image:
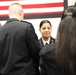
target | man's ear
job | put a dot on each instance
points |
(20, 13)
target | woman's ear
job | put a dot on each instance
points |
(39, 29)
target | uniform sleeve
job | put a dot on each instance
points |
(33, 43)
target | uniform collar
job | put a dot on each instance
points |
(44, 42)
(11, 20)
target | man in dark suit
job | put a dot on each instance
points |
(19, 46)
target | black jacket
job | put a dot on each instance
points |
(48, 62)
(19, 48)
(52, 40)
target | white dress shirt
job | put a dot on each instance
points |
(44, 42)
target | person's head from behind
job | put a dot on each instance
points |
(66, 42)
(67, 11)
(16, 11)
(45, 29)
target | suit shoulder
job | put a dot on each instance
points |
(40, 39)
(52, 38)
(27, 22)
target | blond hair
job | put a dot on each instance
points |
(16, 11)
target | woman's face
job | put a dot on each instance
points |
(46, 30)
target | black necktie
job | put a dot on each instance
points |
(46, 44)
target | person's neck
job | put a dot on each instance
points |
(46, 39)
(15, 16)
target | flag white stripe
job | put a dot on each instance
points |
(26, 2)
(37, 10)
(55, 9)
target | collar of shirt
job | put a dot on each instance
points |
(44, 42)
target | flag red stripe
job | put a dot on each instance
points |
(28, 14)
(46, 5)
(8, 0)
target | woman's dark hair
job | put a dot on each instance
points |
(44, 21)
(69, 11)
(66, 43)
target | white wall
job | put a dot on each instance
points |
(71, 2)
(54, 22)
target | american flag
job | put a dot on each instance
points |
(35, 8)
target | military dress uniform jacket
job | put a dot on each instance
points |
(52, 41)
(19, 48)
